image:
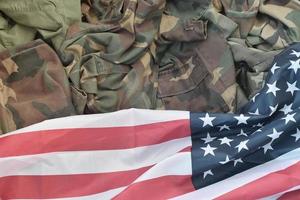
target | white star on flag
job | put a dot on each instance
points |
(253, 98)
(297, 135)
(225, 161)
(273, 109)
(287, 109)
(295, 53)
(292, 87)
(267, 147)
(242, 133)
(242, 145)
(258, 125)
(207, 120)
(242, 119)
(272, 88)
(274, 67)
(254, 113)
(208, 138)
(289, 117)
(208, 150)
(275, 134)
(224, 127)
(295, 65)
(208, 172)
(226, 140)
(237, 161)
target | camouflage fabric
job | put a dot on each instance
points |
(264, 24)
(252, 66)
(196, 55)
(99, 10)
(110, 64)
(33, 86)
(190, 76)
(22, 21)
(256, 31)
(119, 62)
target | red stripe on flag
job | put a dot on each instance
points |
(159, 188)
(59, 186)
(293, 195)
(187, 149)
(81, 139)
(268, 185)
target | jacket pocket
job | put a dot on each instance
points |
(186, 86)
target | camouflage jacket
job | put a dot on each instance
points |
(33, 86)
(23, 21)
(184, 55)
(257, 30)
(196, 55)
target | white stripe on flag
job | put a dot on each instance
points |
(238, 180)
(182, 161)
(130, 117)
(81, 162)
(178, 164)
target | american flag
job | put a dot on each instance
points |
(146, 154)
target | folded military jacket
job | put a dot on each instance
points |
(33, 86)
(184, 55)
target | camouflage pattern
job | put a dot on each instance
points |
(196, 55)
(110, 64)
(256, 31)
(252, 66)
(190, 76)
(123, 59)
(94, 11)
(33, 86)
(22, 21)
(263, 24)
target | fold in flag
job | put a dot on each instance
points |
(144, 154)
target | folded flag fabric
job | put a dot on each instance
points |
(146, 154)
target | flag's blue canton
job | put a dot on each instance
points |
(267, 127)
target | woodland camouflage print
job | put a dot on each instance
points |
(190, 76)
(187, 55)
(196, 55)
(257, 31)
(33, 87)
(111, 64)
